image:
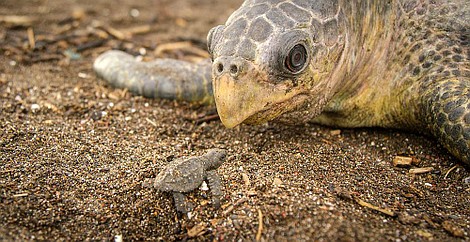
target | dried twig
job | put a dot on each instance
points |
(207, 118)
(450, 170)
(231, 207)
(260, 225)
(31, 39)
(368, 205)
(46, 57)
(142, 29)
(17, 20)
(21, 195)
(91, 45)
(421, 170)
(112, 31)
(183, 45)
(151, 122)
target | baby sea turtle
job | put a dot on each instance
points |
(184, 175)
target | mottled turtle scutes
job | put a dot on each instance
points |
(347, 63)
(184, 175)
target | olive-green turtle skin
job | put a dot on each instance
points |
(346, 63)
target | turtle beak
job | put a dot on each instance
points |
(236, 100)
(248, 97)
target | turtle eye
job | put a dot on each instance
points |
(296, 60)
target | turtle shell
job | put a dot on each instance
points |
(181, 175)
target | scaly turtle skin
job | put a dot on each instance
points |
(347, 63)
(185, 175)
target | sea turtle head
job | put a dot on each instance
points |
(274, 57)
(214, 158)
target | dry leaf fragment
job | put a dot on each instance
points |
(453, 229)
(424, 233)
(197, 230)
(402, 161)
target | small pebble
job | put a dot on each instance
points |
(277, 182)
(246, 180)
(204, 186)
(83, 75)
(118, 238)
(72, 55)
(35, 107)
(97, 115)
(134, 13)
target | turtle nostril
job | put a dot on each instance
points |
(233, 69)
(220, 67)
(229, 65)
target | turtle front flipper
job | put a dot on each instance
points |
(215, 185)
(161, 78)
(446, 106)
(181, 204)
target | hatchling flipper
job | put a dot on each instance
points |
(215, 185)
(181, 204)
(447, 113)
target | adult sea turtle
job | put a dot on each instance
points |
(347, 63)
